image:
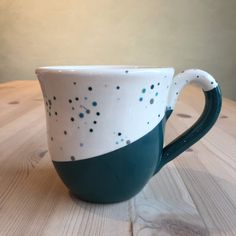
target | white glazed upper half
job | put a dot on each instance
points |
(93, 110)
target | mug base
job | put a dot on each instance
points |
(96, 201)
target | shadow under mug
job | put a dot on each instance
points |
(106, 124)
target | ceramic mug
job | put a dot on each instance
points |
(105, 124)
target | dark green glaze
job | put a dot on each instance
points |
(115, 176)
(120, 174)
(213, 101)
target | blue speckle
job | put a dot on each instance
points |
(81, 115)
(94, 104)
(141, 99)
(156, 93)
(143, 90)
(85, 98)
(117, 143)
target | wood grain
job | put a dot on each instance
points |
(193, 195)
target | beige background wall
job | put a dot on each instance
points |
(178, 33)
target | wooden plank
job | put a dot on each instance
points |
(17, 98)
(165, 207)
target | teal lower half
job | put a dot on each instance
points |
(117, 175)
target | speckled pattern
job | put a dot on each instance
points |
(95, 111)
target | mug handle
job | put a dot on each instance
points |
(213, 101)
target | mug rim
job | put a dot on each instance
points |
(99, 69)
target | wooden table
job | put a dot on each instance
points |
(193, 195)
